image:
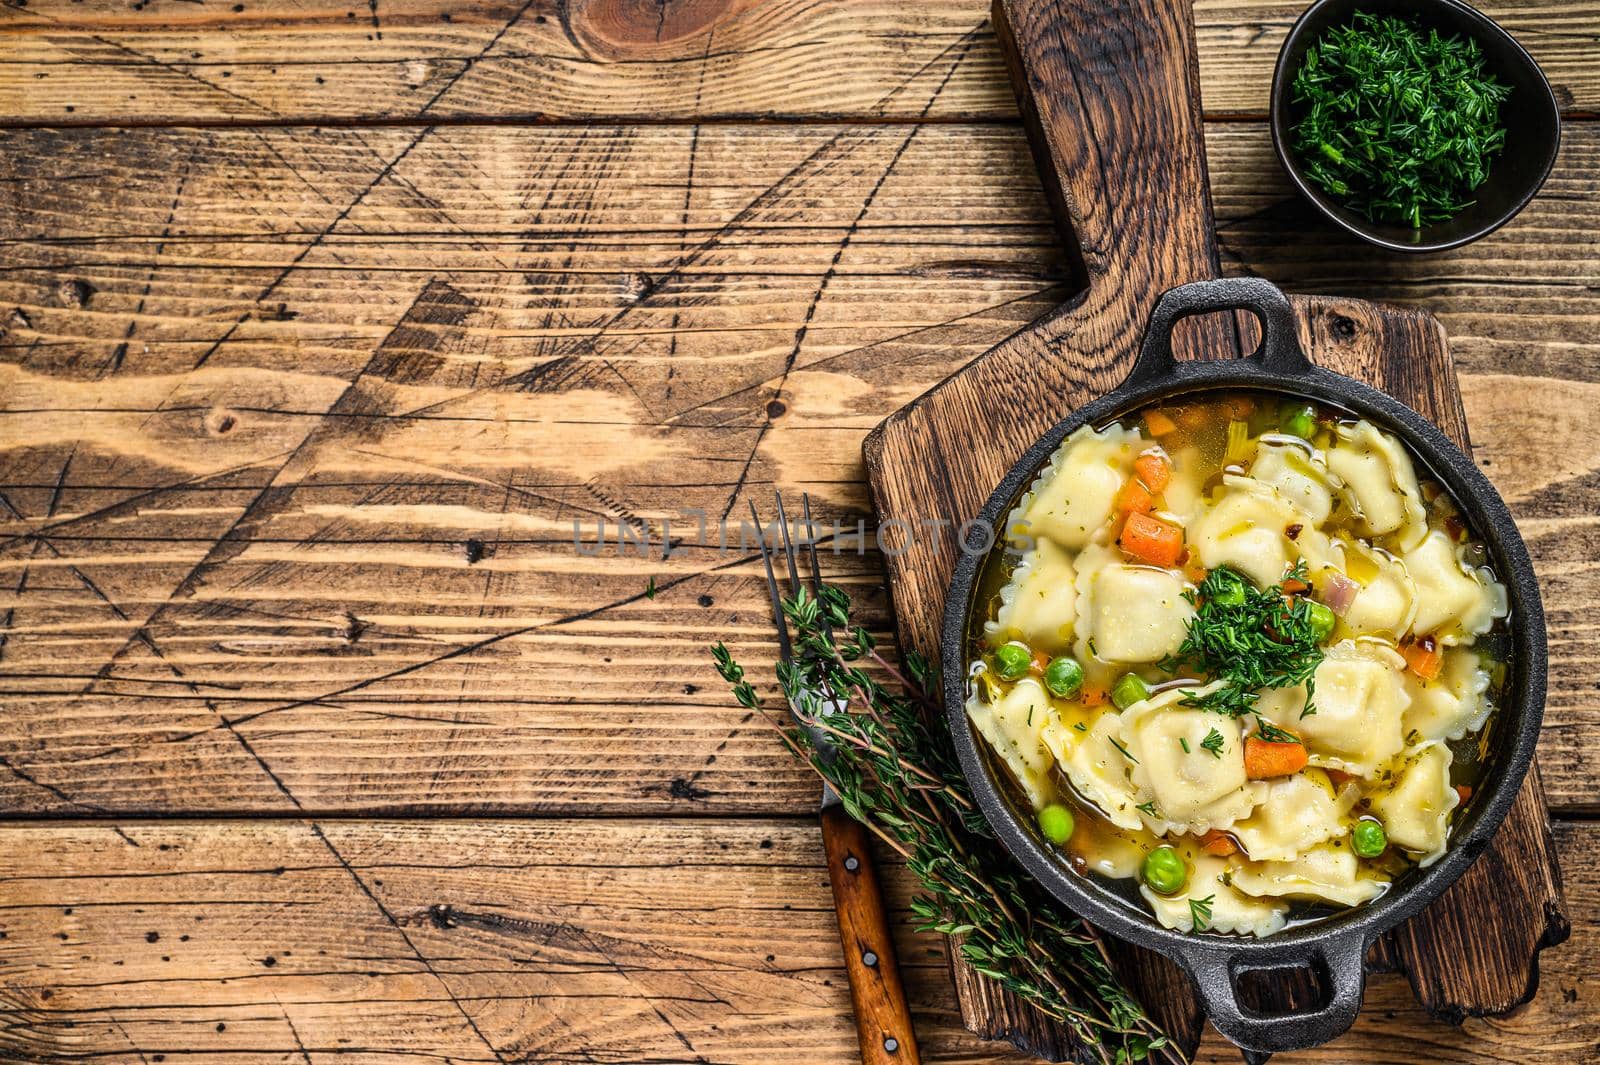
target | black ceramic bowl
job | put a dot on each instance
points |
(1532, 121)
(1334, 946)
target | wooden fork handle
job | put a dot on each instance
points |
(883, 1020)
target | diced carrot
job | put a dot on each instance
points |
(1041, 661)
(1294, 586)
(1263, 759)
(1159, 424)
(1095, 696)
(1425, 657)
(1193, 571)
(1151, 540)
(1154, 470)
(1218, 843)
(1464, 791)
(1239, 406)
(1135, 498)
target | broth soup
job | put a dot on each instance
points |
(1239, 658)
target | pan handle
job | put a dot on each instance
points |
(1338, 960)
(1280, 347)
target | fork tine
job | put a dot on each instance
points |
(785, 650)
(811, 546)
(788, 545)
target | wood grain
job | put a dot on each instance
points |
(597, 940)
(270, 61)
(641, 350)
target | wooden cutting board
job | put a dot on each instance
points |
(1109, 94)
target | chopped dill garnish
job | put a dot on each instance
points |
(1148, 807)
(1397, 123)
(1200, 912)
(1213, 743)
(1272, 733)
(1184, 744)
(1123, 749)
(1249, 639)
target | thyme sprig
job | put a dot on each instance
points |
(1397, 124)
(899, 776)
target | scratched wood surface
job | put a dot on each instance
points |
(541, 941)
(296, 418)
(267, 61)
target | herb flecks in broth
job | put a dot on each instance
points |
(1249, 652)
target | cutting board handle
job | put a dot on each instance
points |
(1109, 93)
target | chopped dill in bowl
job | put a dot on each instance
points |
(1397, 123)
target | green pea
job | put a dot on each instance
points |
(1129, 689)
(1165, 871)
(1229, 591)
(1300, 420)
(1322, 620)
(1064, 677)
(1057, 823)
(1369, 839)
(1011, 660)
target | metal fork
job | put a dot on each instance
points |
(883, 1020)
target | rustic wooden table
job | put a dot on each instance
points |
(323, 328)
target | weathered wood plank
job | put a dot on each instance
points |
(225, 582)
(177, 61)
(560, 940)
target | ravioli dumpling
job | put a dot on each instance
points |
(1452, 601)
(1387, 601)
(1131, 613)
(1039, 605)
(1300, 476)
(1245, 529)
(1072, 499)
(1416, 808)
(1381, 483)
(1190, 764)
(1230, 910)
(1328, 873)
(1014, 727)
(1454, 703)
(1359, 702)
(1298, 813)
(1100, 772)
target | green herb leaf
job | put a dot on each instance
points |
(1213, 743)
(1272, 733)
(1200, 912)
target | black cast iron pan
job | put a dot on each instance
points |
(1336, 946)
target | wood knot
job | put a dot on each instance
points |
(1342, 327)
(220, 421)
(618, 29)
(73, 292)
(636, 285)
